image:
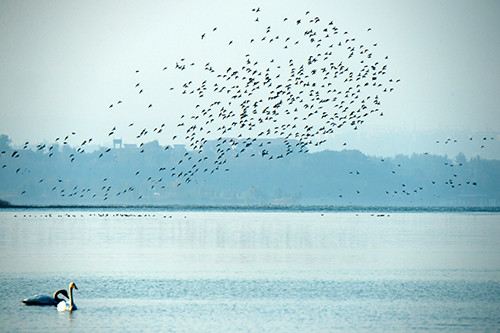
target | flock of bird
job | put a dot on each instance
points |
(329, 81)
(338, 84)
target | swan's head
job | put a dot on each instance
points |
(72, 285)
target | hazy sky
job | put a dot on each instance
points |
(62, 64)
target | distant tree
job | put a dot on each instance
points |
(5, 142)
(4, 203)
(461, 159)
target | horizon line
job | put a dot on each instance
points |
(265, 208)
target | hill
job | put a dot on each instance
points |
(266, 173)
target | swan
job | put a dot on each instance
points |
(45, 299)
(65, 305)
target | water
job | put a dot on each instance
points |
(252, 271)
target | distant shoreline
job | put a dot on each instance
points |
(258, 208)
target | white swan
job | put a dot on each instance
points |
(65, 305)
(45, 299)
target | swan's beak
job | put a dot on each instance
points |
(75, 286)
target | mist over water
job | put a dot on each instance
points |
(252, 271)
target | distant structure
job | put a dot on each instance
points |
(117, 143)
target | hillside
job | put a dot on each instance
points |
(266, 174)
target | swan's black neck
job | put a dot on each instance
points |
(56, 295)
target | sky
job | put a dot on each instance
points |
(63, 63)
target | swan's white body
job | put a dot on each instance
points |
(65, 305)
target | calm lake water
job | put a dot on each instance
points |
(251, 271)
